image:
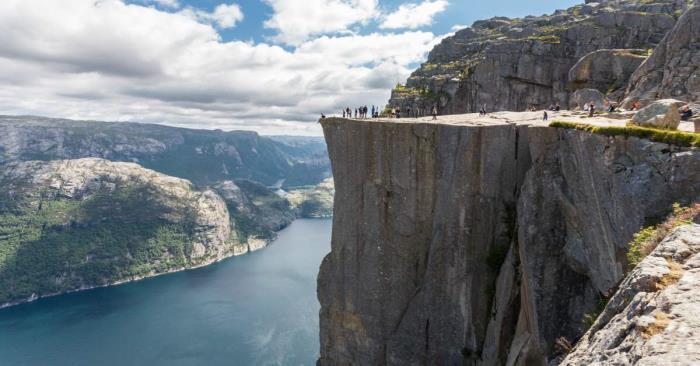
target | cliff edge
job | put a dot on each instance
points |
(482, 241)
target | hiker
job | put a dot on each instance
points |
(591, 110)
(686, 113)
(557, 107)
(408, 112)
(482, 112)
(435, 112)
(323, 116)
(343, 113)
(545, 116)
(611, 108)
(397, 112)
(635, 105)
(348, 112)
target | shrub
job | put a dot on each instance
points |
(678, 138)
(646, 240)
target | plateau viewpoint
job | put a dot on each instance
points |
(567, 234)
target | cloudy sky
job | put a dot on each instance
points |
(267, 65)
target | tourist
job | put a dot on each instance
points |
(408, 112)
(482, 112)
(397, 112)
(545, 117)
(355, 112)
(557, 107)
(611, 108)
(343, 113)
(591, 109)
(323, 116)
(686, 113)
(435, 112)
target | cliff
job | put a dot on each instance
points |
(68, 225)
(481, 241)
(512, 64)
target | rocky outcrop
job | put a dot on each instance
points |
(607, 71)
(512, 64)
(652, 319)
(481, 243)
(673, 70)
(660, 114)
(582, 99)
(67, 225)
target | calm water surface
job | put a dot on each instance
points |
(258, 309)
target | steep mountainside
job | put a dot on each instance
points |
(73, 224)
(673, 70)
(201, 156)
(483, 243)
(511, 64)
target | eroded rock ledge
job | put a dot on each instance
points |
(481, 242)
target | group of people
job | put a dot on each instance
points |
(361, 112)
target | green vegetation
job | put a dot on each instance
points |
(51, 244)
(313, 201)
(678, 138)
(647, 239)
(590, 318)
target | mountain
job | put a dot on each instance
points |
(85, 204)
(512, 64)
(202, 156)
(67, 225)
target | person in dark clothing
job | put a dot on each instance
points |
(612, 108)
(591, 109)
(323, 116)
(343, 113)
(545, 117)
(482, 111)
(557, 108)
(686, 114)
(435, 112)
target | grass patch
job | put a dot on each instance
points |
(646, 240)
(677, 138)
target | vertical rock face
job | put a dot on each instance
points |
(481, 244)
(673, 70)
(582, 201)
(424, 218)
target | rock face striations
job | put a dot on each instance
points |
(512, 64)
(481, 243)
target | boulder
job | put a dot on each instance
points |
(660, 114)
(582, 97)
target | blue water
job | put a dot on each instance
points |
(257, 309)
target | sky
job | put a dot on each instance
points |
(272, 66)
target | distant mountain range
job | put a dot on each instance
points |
(86, 204)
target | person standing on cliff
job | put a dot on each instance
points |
(435, 112)
(591, 109)
(545, 117)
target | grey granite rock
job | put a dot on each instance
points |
(653, 317)
(426, 266)
(660, 114)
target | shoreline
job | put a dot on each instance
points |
(251, 247)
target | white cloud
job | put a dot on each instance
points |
(297, 20)
(224, 15)
(412, 16)
(173, 4)
(107, 60)
(458, 27)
